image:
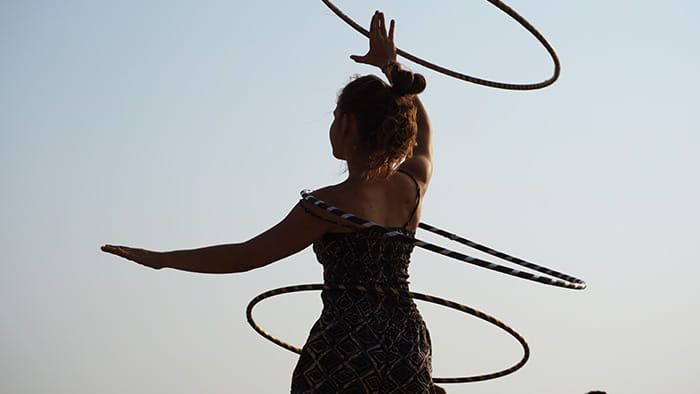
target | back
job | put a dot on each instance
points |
(394, 202)
(363, 341)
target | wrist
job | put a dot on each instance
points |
(387, 68)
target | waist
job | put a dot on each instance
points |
(368, 300)
(355, 308)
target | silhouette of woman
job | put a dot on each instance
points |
(362, 342)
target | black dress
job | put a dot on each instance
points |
(365, 342)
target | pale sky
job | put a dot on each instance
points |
(171, 125)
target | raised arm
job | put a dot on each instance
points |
(294, 233)
(382, 53)
(420, 164)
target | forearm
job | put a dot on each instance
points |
(219, 259)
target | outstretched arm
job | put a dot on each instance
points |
(294, 233)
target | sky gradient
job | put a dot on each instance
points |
(170, 125)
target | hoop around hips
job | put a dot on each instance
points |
(500, 85)
(400, 293)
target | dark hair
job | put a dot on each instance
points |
(386, 117)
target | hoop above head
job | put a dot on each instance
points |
(500, 85)
(400, 293)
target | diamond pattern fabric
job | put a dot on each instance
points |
(365, 342)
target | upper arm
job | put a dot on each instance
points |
(420, 164)
(421, 167)
(291, 235)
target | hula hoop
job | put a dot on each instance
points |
(401, 293)
(500, 85)
(560, 279)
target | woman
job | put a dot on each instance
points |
(362, 342)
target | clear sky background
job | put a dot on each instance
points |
(175, 124)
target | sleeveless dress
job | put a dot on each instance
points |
(365, 342)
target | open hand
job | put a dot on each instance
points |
(141, 256)
(382, 50)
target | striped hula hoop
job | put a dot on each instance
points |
(500, 85)
(400, 293)
(553, 278)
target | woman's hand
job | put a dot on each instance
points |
(382, 50)
(141, 256)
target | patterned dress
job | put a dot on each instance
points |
(365, 342)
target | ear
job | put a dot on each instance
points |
(348, 125)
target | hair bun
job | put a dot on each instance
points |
(406, 83)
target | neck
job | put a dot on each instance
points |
(355, 171)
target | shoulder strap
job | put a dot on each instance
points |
(417, 196)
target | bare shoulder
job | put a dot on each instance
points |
(388, 202)
(333, 194)
(420, 169)
(327, 192)
(338, 196)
